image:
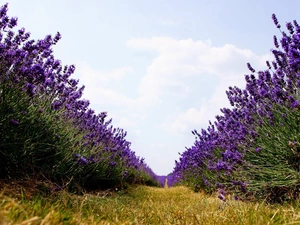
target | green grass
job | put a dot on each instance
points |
(25, 204)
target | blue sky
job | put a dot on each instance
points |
(160, 68)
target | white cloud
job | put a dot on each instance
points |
(125, 122)
(91, 76)
(179, 60)
(182, 88)
(179, 66)
(104, 88)
(197, 118)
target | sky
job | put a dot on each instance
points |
(160, 68)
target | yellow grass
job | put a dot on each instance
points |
(141, 205)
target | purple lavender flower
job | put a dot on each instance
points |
(268, 64)
(237, 198)
(222, 197)
(30, 89)
(56, 105)
(250, 68)
(13, 22)
(295, 104)
(290, 27)
(274, 18)
(14, 122)
(113, 164)
(275, 41)
(82, 161)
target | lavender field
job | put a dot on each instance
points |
(48, 131)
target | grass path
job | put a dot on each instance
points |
(138, 205)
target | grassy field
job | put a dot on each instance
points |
(30, 203)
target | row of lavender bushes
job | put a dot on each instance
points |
(253, 148)
(46, 129)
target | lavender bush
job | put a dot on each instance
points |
(253, 148)
(47, 129)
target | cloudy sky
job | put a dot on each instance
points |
(160, 68)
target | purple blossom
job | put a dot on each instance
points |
(290, 27)
(275, 41)
(113, 164)
(236, 198)
(250, 68)
(30, 89)
(222, 194)
(274, 18)
(14, 122)
(295, 104)
(56, 105)
(82, 161)
(13, 22)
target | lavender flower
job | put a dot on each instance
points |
(250, 68)
(14, 122)
(274, 18)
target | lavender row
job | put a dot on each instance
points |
(46, 127)
(252, 149)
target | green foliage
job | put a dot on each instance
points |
(32, 138)
(272, 168)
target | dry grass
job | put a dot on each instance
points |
(138, 205)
